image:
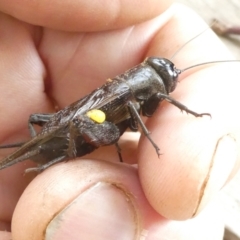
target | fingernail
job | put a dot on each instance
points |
(223, 161)
(104, 211)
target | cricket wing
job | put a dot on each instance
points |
(29, 150)
(111, 98)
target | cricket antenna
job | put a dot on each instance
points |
(206, 63)
(199, 64)
(190, 40)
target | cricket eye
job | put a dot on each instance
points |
(96, 115)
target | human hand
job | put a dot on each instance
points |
(116, 199)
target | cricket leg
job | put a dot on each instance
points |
(45, 166)
(144, 129)
(72, 151)
(13, 145)
(13, 158)
(39, 119)
(150, 106)
(133, 121)
(180, 105)
(119, 152)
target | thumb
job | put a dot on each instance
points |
(89, 199)
(82, 198)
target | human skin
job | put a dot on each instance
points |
(72, 54)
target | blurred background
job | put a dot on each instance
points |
(228, 13)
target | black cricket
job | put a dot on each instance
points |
(72, 133)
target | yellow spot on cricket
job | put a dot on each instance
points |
(96, 115)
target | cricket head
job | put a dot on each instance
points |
(166, 70)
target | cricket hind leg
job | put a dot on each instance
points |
(46, 165)
(12, 159)
(38, 119)
(13, 145)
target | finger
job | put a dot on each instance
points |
(96, 200)
(22, 73)
(114, 190)
(80, 62)
(21, 93)
(84, 15)
(5, 235)
(199, 155)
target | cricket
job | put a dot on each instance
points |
(100, 118)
